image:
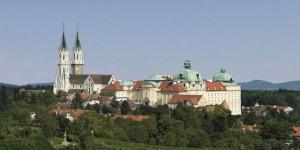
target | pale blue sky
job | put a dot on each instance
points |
(134, 39)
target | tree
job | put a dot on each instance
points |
(115, 106)
(220, 119)
(198, 138)
(47, 98)
(50, 126)
(3, 99)
(64, 124)
(77, 101)
(160, 110)
(125, 108)
(249, 118)
(86, 140)
(275, 129)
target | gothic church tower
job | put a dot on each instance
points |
(62, 74)
(77, 59)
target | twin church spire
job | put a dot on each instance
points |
(62, 81)
(77, 62)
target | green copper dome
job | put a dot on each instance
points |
(223, 76)
(187, 74)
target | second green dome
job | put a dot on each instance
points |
(223, 76)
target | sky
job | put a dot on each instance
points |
(134, 39)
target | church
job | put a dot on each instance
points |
(71, 78)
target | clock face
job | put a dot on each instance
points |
(77, 68)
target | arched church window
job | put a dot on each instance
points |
(63, 56)
(77, 56)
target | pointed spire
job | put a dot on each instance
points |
(77, 41)
(63, 44)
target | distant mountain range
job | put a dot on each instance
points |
(264, 85)
(31, 84)
(251, 85)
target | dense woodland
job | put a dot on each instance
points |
(184, 127)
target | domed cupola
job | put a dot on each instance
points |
(223, 76)
(187, 74)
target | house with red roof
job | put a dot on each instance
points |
(69, 113)
(117, 89)
(296, 132)
(195, 100)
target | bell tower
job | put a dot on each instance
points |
(62, 74)
(77, 58)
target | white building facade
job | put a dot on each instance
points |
(160, 89)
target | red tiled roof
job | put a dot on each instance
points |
(273, 106)
(167, 86)
(137, 85)
(281, 107)
(132, 117)
(215, 86)
(182, 98)
(84, 95)
(297, 130)
(114, 86)
(77, 112)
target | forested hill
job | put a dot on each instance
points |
(264, 85)
(35, 86)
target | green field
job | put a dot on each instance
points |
(108, 144)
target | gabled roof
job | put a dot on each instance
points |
(168, 86)
(78, 78)
(101, 78)
(114, 86)
(215, 86)
(137, 85)
(132, 117)
(194, 99)
(97, 78)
